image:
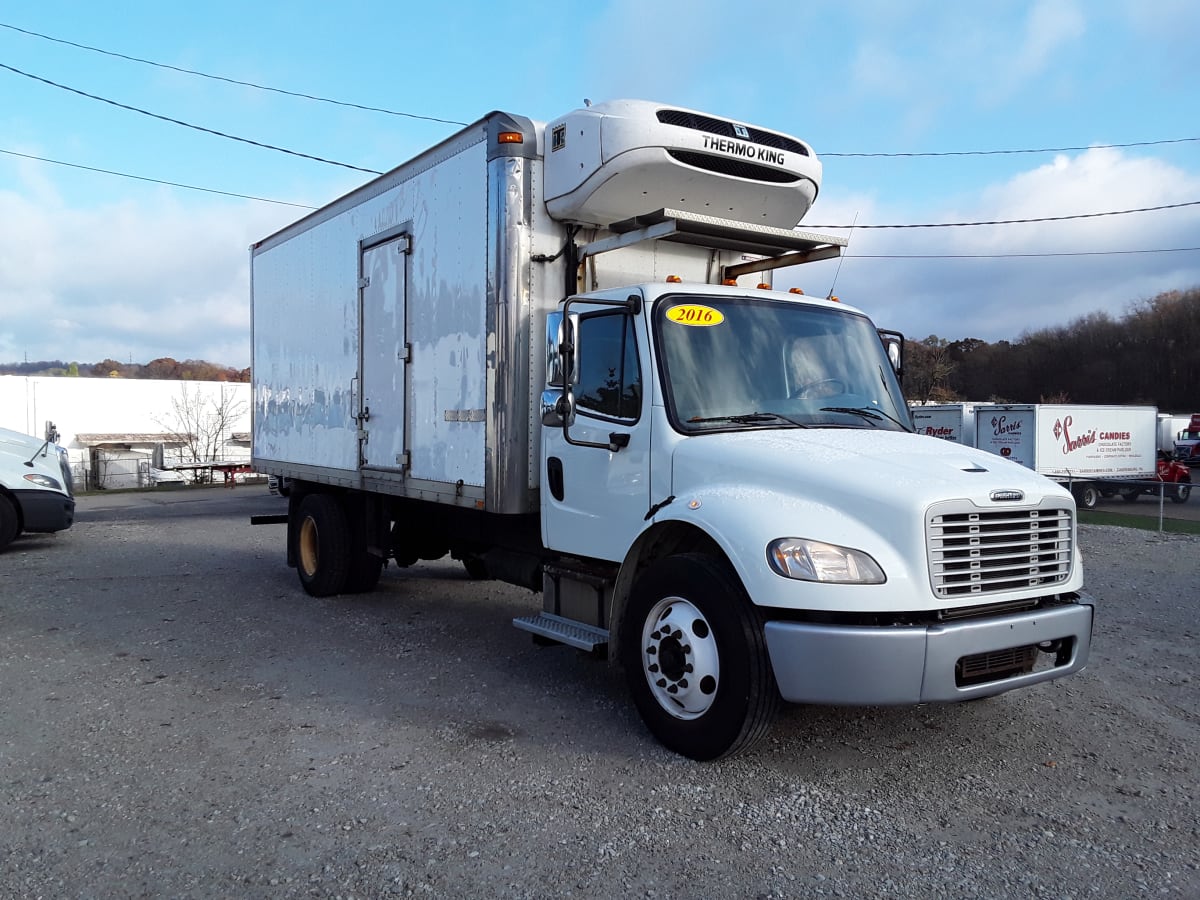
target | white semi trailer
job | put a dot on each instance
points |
(550, 351)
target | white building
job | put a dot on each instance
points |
(119, 432)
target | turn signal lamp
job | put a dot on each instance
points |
(674, 279)
(510, 137)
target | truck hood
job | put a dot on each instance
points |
(18, 444)
(870, 490)
(833, 467)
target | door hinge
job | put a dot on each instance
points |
(364, 282)
(404, 245)
(404, 460)
(404, 354)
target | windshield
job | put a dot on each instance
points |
(735, 362)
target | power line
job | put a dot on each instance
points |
(1119, 212)
(211, 131)
(408, 115)
(1014, 255)
(250, 84)
(190, 187)
(825, 154)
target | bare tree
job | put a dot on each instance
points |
(201, 424)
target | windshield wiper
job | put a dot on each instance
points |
(875, 415)
(748, 419)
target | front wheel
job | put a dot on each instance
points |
(10, 525)
(696, 659)
(1182, 491)
(1086, 495)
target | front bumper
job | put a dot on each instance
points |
(45, 511)
(903, 665)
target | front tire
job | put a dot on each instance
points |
(1086, 495)
(696, 660)
(10, 525)
(322, 549)
(1182, 491)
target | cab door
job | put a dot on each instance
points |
(595, 484)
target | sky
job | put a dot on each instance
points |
(908, 105)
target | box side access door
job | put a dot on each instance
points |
(385, 353)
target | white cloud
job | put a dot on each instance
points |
(133, 280)
(1001, 298)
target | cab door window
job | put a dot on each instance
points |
(610, 376)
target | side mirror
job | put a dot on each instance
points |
(893, 344)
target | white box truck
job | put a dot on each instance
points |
(953, 422)
(543, 349)
(35, 486)
(1093, 449)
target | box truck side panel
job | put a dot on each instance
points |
(406, 260)
(1096, 441)
(1008, 432)
(306, 352)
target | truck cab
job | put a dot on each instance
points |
(1187, 445)
(35, 486)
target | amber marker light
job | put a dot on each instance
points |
(763, 286)
(510, 137)
(730, 282)
(795, 291)
(674, 279)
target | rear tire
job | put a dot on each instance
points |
(1130, 495)
(695, 658)
(322, 549)
(10, 524)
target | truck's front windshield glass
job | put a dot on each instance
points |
(735, 362)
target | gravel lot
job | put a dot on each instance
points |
(180, 720)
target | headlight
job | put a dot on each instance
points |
(44, 481)
(814, 561)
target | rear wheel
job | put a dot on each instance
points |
(10, 525)
(1130, 495)
(322, 545)
(696, 659)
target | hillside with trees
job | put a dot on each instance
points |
(1150, 356)
(163, 368)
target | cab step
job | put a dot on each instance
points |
(563, 631)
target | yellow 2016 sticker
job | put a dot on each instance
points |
(695, 314)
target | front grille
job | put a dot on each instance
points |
(698, 122)
(973, 552)
(723, 165)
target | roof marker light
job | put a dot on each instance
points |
(763, 286)
(674, 279)
(795, 291)
(730, 282)
(510, 137)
